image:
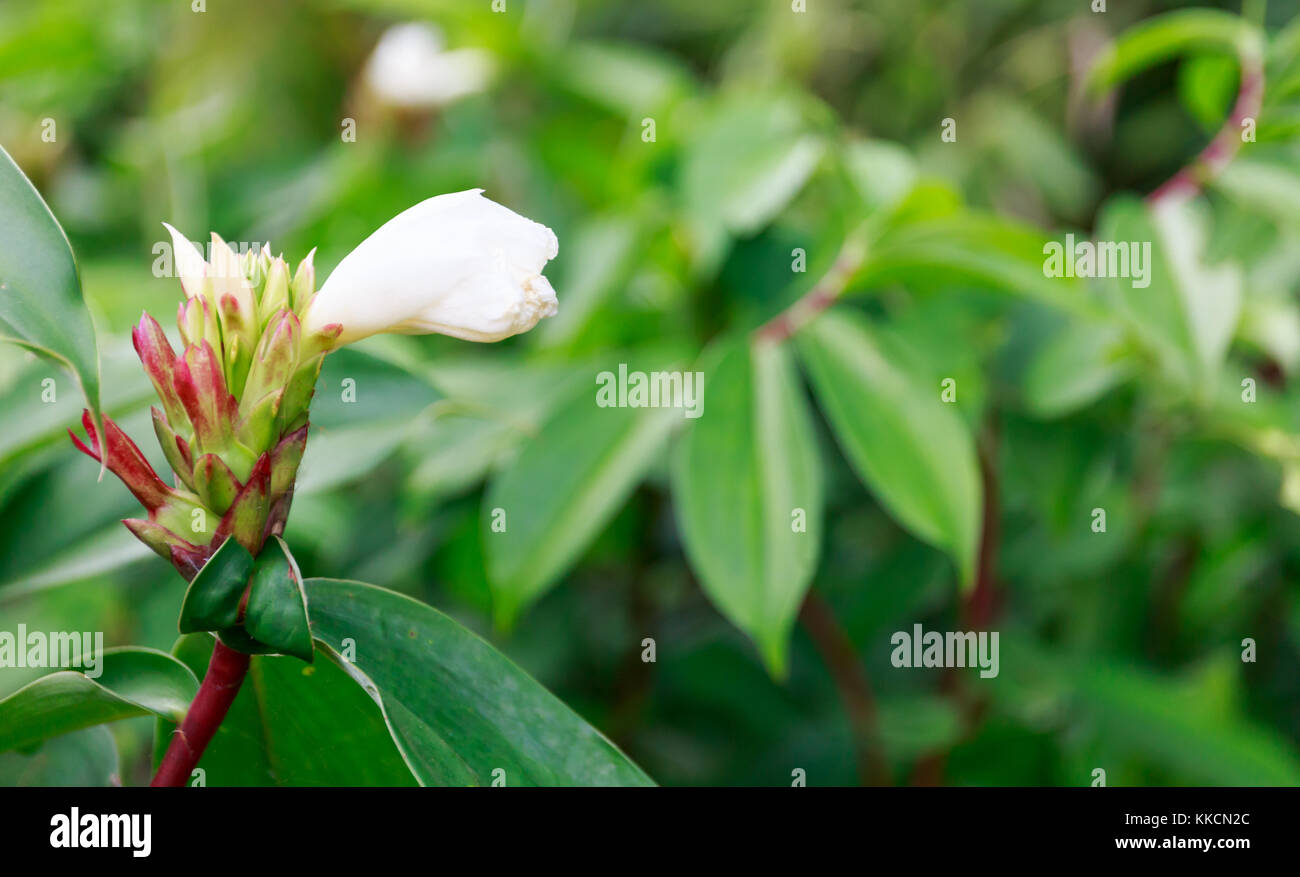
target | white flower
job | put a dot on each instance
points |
(457, 264)
(409, 68)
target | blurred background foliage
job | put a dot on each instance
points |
(774, 132)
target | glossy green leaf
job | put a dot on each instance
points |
(747, 489)
(41, 304)
(276, 615)
(912, 450)
(132, 682)
(212, 601)
(457, 708)
(546, 507)
(293, 724)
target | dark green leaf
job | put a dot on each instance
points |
(458, 709)
(293, 724)
(212, 601)
(276, 615)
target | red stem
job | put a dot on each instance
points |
(823, 294)
(851, 681)
(1221, 150)
(226, 672)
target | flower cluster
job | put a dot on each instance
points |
(233, 422)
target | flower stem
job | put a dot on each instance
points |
(1215, 157)
(823, 294)
(226, 672)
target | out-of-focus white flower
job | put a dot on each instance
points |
(409, 68)
(458, 264)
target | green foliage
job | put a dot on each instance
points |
(792, 154)
(906, 443)
(41, 307)
(748, 489)
(560, 491)
(213, 598)
(458, 711)
(130, 682)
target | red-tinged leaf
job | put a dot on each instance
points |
(245, 520)
(257, 428)
(174, 448)
(187, 557)
(215, 484)
(297, 395)
(184, 447)
(124, 460)
(284, 471)
(285, 459)
(303, 285)
(159, 361)
(198, 323)
(201, 387)
(274, 361)
(320, 341)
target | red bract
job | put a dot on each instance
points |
(233, 422)
(125, 461)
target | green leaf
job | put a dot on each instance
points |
(1158, 39)
(357, 388)
(561, 490)
(41, 304)
(1188, 313)
(276, 615)
(881, 171)
(1207, 86)
(913, 451)
(970, 250)
(748, 160)
(1192, 726)
(458, 709)
(748, 493)
(132, 682)
(625, 78)
(293, 724)
(82, 758)
(212, 601)
(1075, 367)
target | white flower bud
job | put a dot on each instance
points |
(410, 69)
(457, 264)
